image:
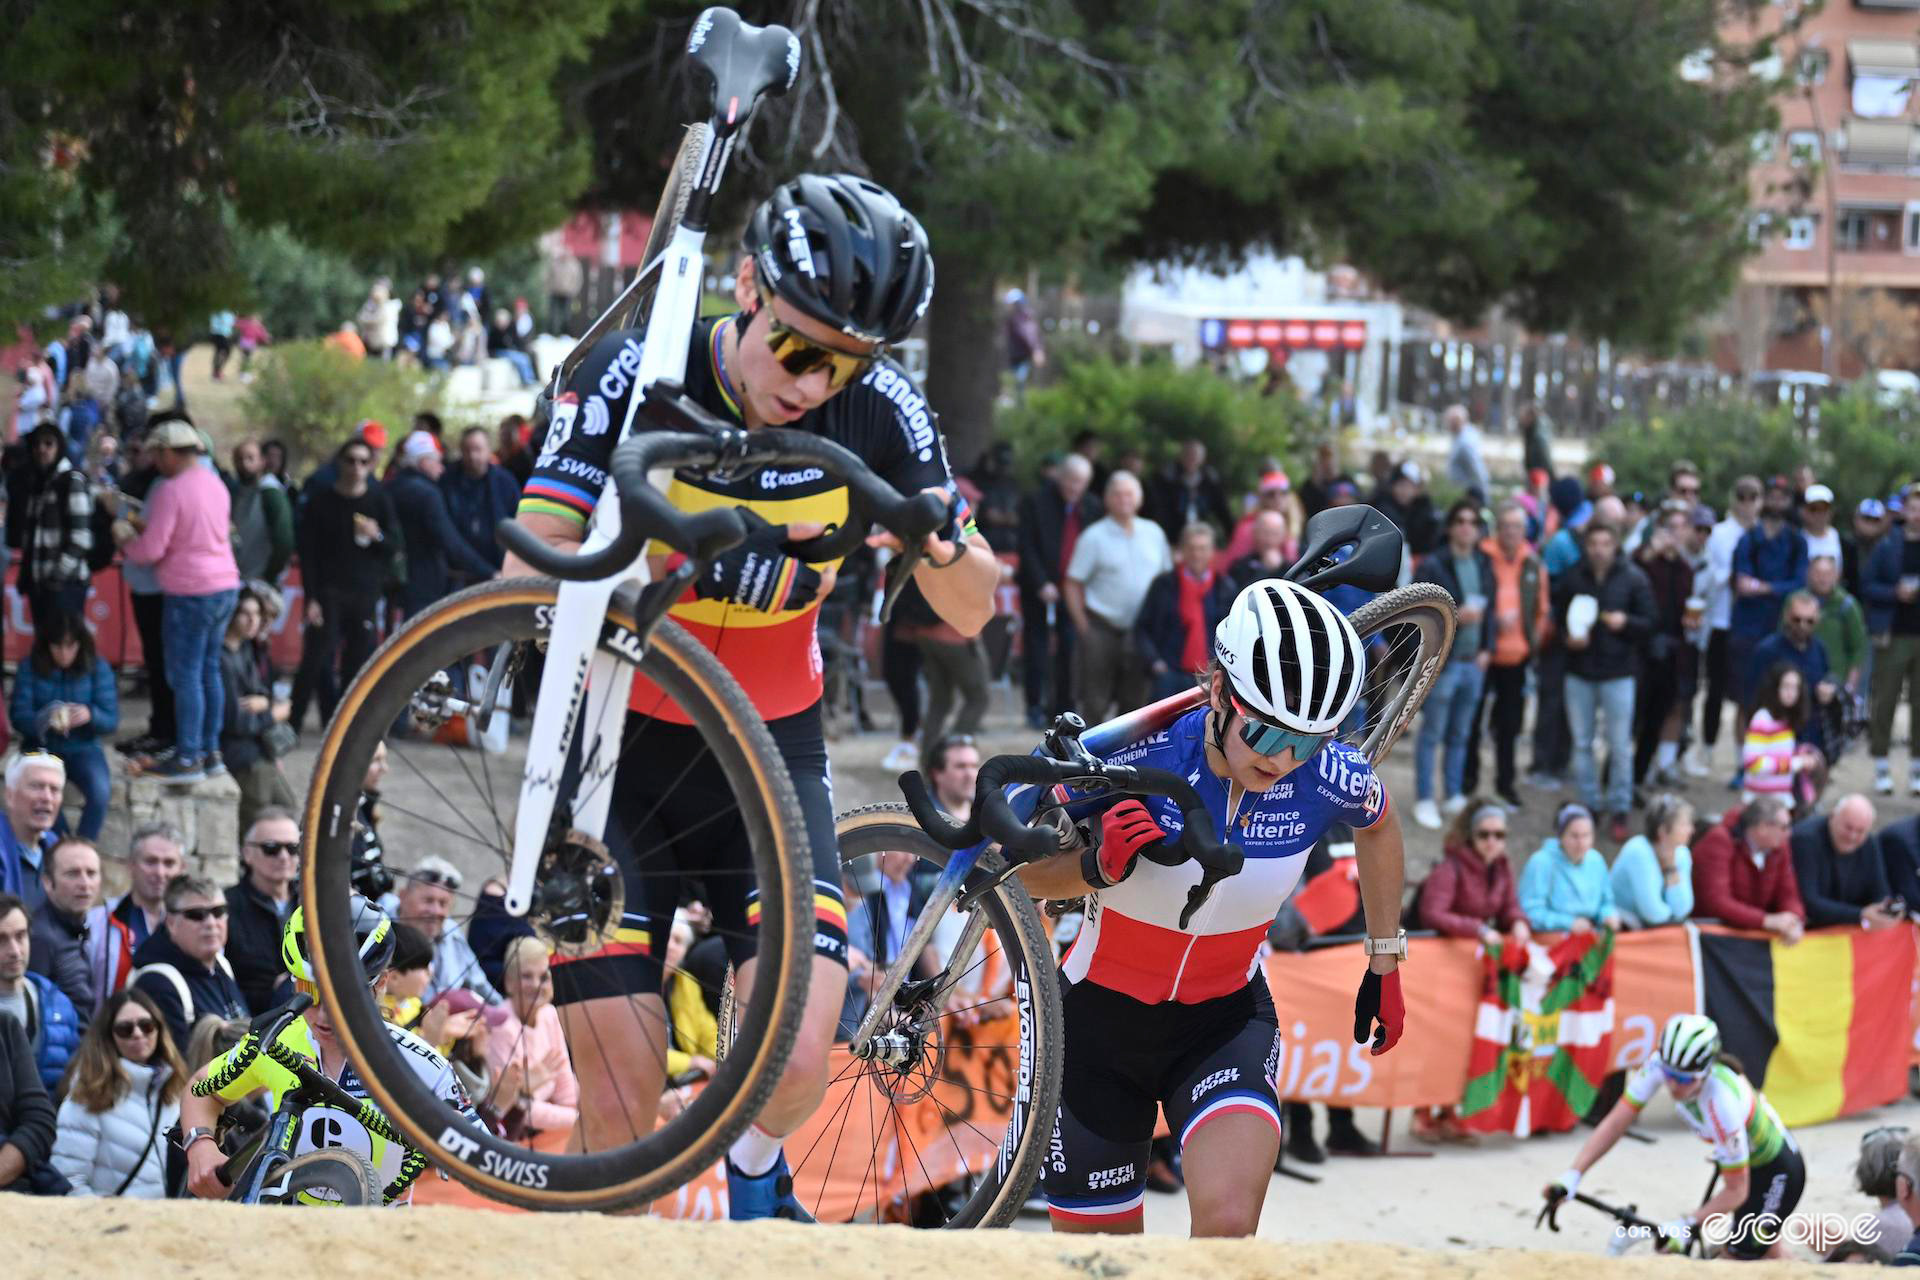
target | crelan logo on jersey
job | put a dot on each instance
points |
(621, 372)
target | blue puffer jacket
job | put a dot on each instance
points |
(34, 695)
(56, 1029)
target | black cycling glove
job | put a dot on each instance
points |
(757, 574)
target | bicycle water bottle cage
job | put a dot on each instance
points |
(741, 62)
(1372, 541)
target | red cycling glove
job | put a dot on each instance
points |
(1379, 1001)
(1126, 830)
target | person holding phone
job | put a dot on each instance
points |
(1840, 869)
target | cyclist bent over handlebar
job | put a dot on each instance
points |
(836, 271)
(1163, 1010)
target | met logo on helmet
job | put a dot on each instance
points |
(797, 247)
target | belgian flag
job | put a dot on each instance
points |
(1811, 1023)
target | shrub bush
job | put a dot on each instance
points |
(1153, 406)
(312, 396)
(1860, 448)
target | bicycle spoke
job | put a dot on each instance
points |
(418, 772)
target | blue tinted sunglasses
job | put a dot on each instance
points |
(1266, 739)
(1681, 1077)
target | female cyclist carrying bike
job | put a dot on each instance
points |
(1172, 1013)
(1761, 1172)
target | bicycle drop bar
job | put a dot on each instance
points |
(994, 817)
(707, 442)
(263, 1036)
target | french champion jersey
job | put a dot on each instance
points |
(883, 418)
(1132, 941)
(1728, 1114)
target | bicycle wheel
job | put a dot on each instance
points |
(1408, 633)
(334, 1178)
(458, 800)
(953, 1134)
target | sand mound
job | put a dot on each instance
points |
(104, 1239)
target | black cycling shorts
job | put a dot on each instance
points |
(1773, 1190)
(674, 820)
(1123, 1060)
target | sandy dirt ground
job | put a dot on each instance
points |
(111, 1239)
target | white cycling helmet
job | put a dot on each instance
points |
(1291, 657)
(1690, 1042)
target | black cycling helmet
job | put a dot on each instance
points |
(844, 251)
(372, 933)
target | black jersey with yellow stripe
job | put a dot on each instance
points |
(883, 418)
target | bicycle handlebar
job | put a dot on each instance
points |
(994, 818)
(263, 1036)
(697, 438)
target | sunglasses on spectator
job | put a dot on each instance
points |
(138, 1027)
(1746, 495)
(1688, 490)
(1490, 833)
(800, 355)
(277, 848)
(200, 915)
(438, 879)
(1268, 739)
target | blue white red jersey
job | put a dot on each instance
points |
(1132, 941)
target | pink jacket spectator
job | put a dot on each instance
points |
(188, 538)
(542, 1050)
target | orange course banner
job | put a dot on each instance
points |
(862, 1155)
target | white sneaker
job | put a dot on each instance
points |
(1453, 805)
(1913, 783)
(1882, 778)
(903, 756)
(1427, 815)
(1696, 763)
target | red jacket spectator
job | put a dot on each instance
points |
(1466, 893)
(1729, 886)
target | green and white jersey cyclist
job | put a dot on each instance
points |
(1761, 1171)
(311, 1036)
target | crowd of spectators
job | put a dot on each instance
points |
(1590, 624)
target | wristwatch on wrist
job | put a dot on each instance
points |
(1394, 946)
(194, 1135)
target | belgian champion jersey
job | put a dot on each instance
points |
(883, 418)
